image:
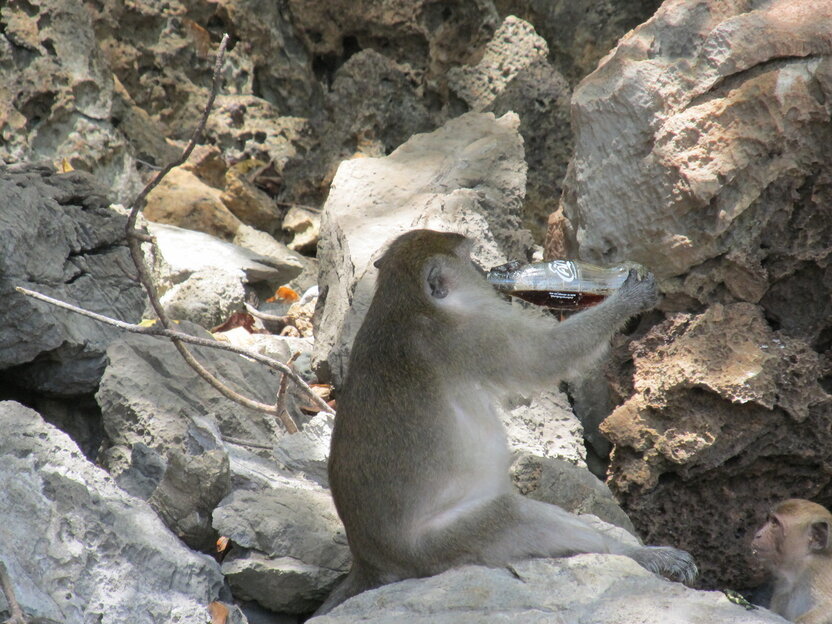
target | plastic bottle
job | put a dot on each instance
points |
(558, 284)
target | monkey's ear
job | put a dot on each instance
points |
(819, 536)
(436, 279)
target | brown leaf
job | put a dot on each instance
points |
(219, 612)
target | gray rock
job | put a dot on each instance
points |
(585, 589)
(468, 176)
(545, 426)
(78, 548)
(207, 298)
(290, 547)
(59, 236)
(569, 486)
(185, 252)
(308, 450)
(166, 426)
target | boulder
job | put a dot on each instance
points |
(78, 548)
(468, 176)
(727, 419)
(597, 589)
(60, 237)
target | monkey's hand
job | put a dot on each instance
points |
(639, 292)
(672, 563)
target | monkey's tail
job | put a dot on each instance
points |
(353, 584)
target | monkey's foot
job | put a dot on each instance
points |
(672, 563)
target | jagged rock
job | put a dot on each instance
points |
(78, 548)
(248, 203)
(545, 426)
(306, 226)
(514, 74)
(567, 485)
(597, 589)
(579, 34)
(166, 426)
(58, 236)
(727, 418)
(182, 199)
(468, 176)
(57, 95)
(289, 546)
(203, 279)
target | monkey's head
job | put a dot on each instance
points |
(793, 531)
(430, 267)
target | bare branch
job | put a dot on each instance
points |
(16, 612)
(134, 242)
(173, 334)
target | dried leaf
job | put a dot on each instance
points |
(223, 543)
(284, 293)
(238, 319)
(219, 612)
(64, 166)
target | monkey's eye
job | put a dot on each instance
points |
(437, 283)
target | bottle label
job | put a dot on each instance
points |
(563, 269)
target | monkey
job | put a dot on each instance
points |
(418, 464)
(794, 545)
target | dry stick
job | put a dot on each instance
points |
(16, 612)
(174, 334)
(280, 404)
(134, 239)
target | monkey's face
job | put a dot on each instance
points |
(768, 542)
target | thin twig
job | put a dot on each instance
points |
(280, 404)
(241, 442)
(134, 239)
(15, 611)
(174, 334)
(263, 316)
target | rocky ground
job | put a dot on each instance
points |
(698, 143)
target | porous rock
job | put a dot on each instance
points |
(78, 548)
(57, 96)
(60, 237)
(514, 74)
(584, 589)
(468, 177)
(545, 426)
(727, 418)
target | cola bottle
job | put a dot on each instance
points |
(566, 285)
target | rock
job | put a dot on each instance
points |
(206, 298)
(566, 485)
(58, 95)
(185, 252)
(468, 176)
(248, 203)
(58, 236)
(603, 589)
(579, 35)
(84, 550)
(167, 427)
(423, 34)
(289, 546)
(700, 143)
(306, 226)
(514, 74)
(292, 264)
(545, 426)
(307, 451)
(182, 199)
(727, 418)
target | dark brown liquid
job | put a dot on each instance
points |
(559, 300)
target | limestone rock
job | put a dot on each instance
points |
(183, 200)
(468, 176)
(57, 95)
(514, 74)
(60, 237)
(727, 418)
(79, 549)
(166, 426)
(597, 589)
(289, 546)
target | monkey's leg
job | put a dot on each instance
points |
(511, 528)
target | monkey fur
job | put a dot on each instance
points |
(419, 459)
(795, 544)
